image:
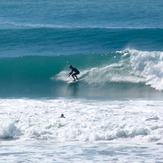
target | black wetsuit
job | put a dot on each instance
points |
(76, 72)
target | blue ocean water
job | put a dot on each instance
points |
(105, 40)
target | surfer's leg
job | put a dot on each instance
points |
(73, 75)
(76, 77)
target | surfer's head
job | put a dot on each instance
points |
(70, 66)
(62, 116)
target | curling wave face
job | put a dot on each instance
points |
(122, 72)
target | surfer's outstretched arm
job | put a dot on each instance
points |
(70, 73)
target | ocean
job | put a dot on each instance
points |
(114, 113)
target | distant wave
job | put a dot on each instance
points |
(68, 41)
(15, 25)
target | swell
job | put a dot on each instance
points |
(54, 41)
(121, 73)
(40, 68)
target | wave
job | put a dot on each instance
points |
(149, 66)
(67, 41)
(132, 66)
(122, 70)
(14, 25)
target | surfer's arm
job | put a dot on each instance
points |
(70, 73)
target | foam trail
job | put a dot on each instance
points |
(115, 72)
(111, 73)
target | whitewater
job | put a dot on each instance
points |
(92, 130)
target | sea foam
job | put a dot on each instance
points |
(9, 131)
(146, 65)
(85, 120)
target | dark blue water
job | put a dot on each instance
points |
(82, 13)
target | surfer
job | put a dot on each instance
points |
(74, 72)
(62, 116)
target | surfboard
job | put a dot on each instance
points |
(76, 81)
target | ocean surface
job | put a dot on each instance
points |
(114, 113)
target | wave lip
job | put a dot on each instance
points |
(149, 65)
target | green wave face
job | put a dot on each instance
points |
(103, 75)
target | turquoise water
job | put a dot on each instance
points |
(119, 74)
(39, 40)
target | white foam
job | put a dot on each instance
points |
(63, 76)
(85, 120)
(9, 131)
(93, 131)
(148, 65)
(116, 72)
